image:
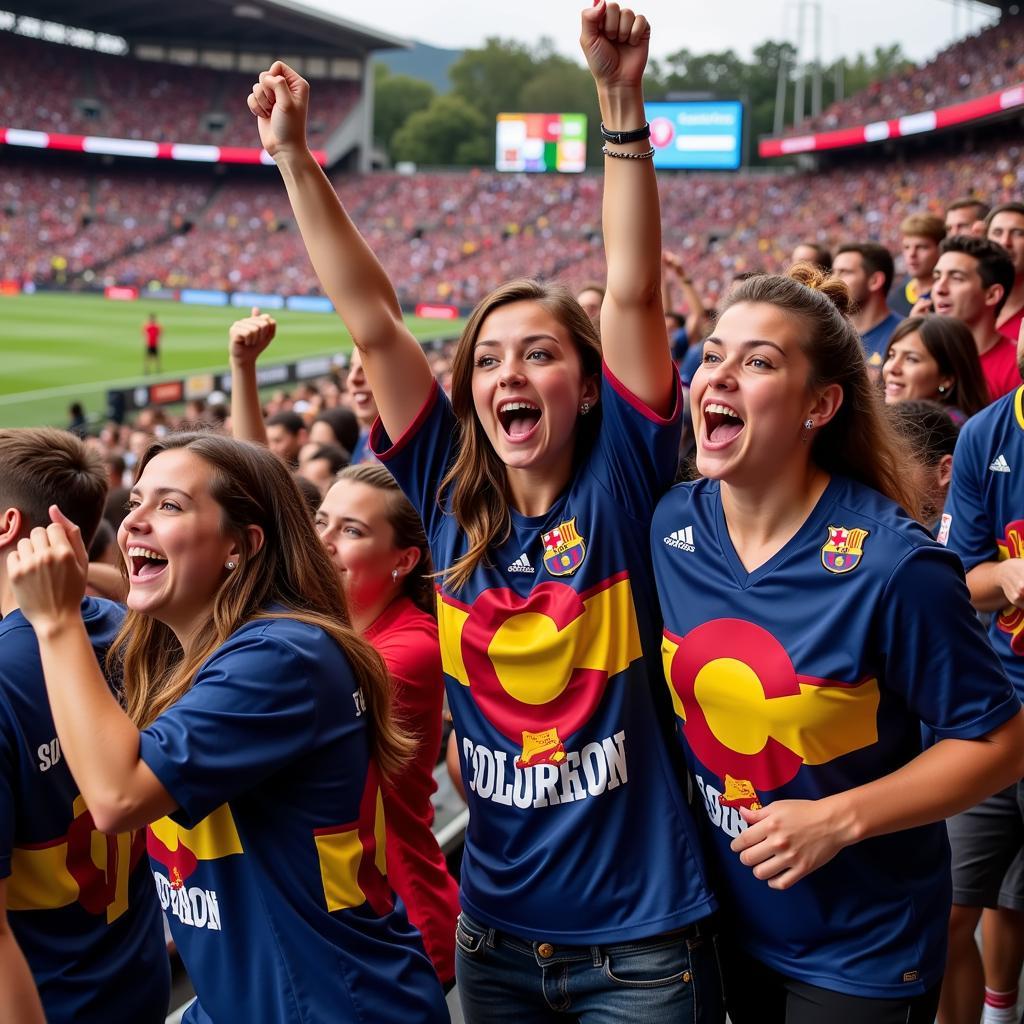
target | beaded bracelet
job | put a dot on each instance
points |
(647, 155)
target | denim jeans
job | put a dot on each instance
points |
(668, 979)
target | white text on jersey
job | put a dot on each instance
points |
(681, 539)
(521, 564)
(196, 907)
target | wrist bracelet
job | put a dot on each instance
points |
(621, 138)
(647, 155)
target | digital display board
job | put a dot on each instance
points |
(541, 142)
(704, 135)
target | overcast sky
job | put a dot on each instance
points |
(848, 26)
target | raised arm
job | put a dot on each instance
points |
(247, 339)
(633, 335)
(100, 742)
(349, 272)
(695, 312)
(19, 1000)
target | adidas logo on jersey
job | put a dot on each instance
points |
(681, 539)
(521, 564)
(999, 464)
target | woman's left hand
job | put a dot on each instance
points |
(615, 42)
(48, 572)
(788, 839)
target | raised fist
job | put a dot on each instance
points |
(615, 42)
(280, 100)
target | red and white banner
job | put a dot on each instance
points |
(121, 293)
(437, 311)
(187, 151)
(898, 127)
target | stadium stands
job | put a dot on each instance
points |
(977, 65)
(56, 88)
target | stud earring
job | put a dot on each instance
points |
(229, 565)
(942, 389)
(808, 424)
(394, 575)
(584, 408)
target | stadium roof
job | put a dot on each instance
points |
(280, 26)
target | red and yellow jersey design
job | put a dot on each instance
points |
(538, 666)
(84, 867)
(750, 717)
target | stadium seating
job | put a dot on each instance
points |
(56, 88)
(980, 64)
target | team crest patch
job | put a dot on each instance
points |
(843, 550)
(564, 549)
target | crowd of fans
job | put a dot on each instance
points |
(993, 59)
(55, 88)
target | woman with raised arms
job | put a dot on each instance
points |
(811, 630)
(256, 739)
(583, 892)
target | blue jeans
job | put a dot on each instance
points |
(668, 979)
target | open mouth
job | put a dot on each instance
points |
(144, 563)
(518, 418)
(721, 424)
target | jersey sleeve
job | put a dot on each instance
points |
(419, 459)
(967, 527)
(251, 711)
(935, 654)
(7, 765)
(637, 451)
(413, 658)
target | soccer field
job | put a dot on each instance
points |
(57, 349)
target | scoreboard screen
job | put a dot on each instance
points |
(541, 142)
(704, 135)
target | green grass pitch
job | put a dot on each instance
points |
(57, 349)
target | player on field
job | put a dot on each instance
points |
(583, 891)
(151, 332)
(811, 628)
(256, 736)
(983, 523)
(80, 904)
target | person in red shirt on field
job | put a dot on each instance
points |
(376, 541)
(151, 331)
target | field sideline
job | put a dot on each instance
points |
(56, 349)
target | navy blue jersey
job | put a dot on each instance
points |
(984, 516)
(80, 904)
(810, 676)
(876, 341)
(578, 831)
(272, 872)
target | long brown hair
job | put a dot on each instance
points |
(418, 585)
(859, 441)
(290, 569)
(476, 484)
(950, 343)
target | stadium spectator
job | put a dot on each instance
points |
(590, 297)
(257, 722)
(972, 280)
(521, 463)
(151, 332)
(376, 541)
(867, 268)
(966, 216)
(337, 426)
(931, 435)
(1005, 225)
(322, 465)
(980, 523)
(691, 330)
(286, 434)
(933, 358)
(363, 404)
(920, 235)
(93, 939)
(813, 253)
(77, 423)
(805, 482)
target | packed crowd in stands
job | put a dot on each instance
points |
(487, 227)
(983, 63)
(55, 88)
